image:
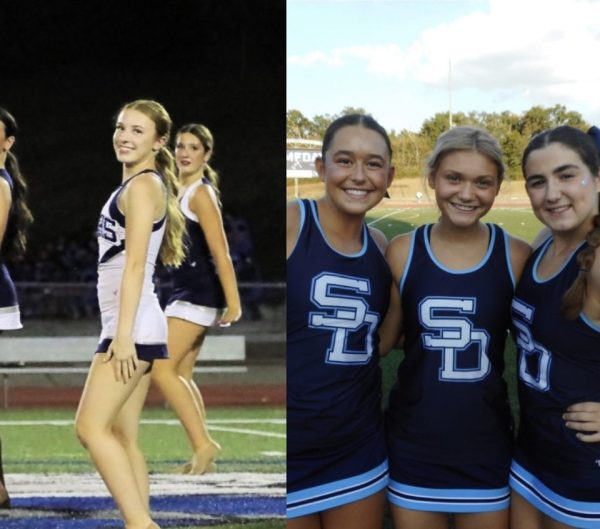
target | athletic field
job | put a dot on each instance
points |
(54, 486)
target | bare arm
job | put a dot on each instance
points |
(5, 202)
(140, 202)
(391, 331)
(292, 226)
(204, 204)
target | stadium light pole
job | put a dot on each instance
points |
(450, 125)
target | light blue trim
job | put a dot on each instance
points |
(302, 216)
(336, 493)
(360, 253)
(408, 260)
(448, 500)
(593, 325)
(542, 498)
(508, 259)
(466, 270)
(545, 246)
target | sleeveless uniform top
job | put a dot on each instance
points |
(196, 280)
(335, 305)
(449, 403)
(558, 365)
(111, 261)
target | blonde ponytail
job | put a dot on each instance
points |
(172, 251)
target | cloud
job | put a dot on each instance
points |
(537, 49)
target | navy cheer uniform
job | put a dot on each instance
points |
(10, 317)
(559, 365)
(336, 450)
(197, 294)
(449, 422)
(150, 325)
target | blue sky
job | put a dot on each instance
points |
(391, 57)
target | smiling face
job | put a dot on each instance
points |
(355, 169)
(135, 139)
(466, 183)
(190, 154)
(562, 189)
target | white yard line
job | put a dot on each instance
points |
(89, 485)
(164, 422)
(249, 432)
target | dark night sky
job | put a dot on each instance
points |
(67, 66)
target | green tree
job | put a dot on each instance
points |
(298, 125)
(319, 125)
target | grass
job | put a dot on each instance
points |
(54, 448)
(519, 222)
(253, 440)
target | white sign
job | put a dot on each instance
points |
(300, 163)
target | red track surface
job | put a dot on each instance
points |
(214, 395)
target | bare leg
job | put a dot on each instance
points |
(411, 519)
(126, 429)
(523, 515)
(186, 370)
(362, 514)
(310, 521)
(184, 340)
(102, 400)
(4, 497)
(482, 520)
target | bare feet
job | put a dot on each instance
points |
(204, 460)
(183, 469)
(186, 468)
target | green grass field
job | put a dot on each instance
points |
(42, 441)
(519, 222)
(32, 443)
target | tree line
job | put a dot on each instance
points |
(410, 149)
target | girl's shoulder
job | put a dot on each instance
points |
(294, 212)
(398, 251)
(519, 251)
(148, 181)
(379, 238)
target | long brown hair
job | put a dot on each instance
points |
(15, 238)
(172, 251)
